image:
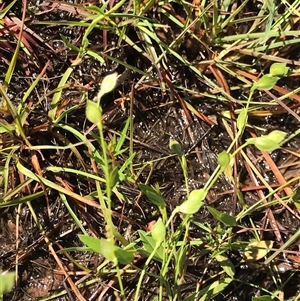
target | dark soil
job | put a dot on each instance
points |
(157, 117)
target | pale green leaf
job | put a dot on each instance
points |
(226, 264)
(93, 112)
(149, 245)
(154, 196)
(226, 114)
(6, 282)
(223, 217)
(109, 83)
(158, 232)
(266, 82)
(124, 256)
(107, 249)
(223, 160)
(210, 290)
(262, 298)
(214, 289)
(277, 136)
(194, 202)
(99, 245)
(257, 250)
(296, 198)
(113, 177)
(242, 119)
(176, 148)
(279, 69)
(92, 242)
(264, 143)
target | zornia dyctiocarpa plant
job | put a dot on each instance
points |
(94, 115)
(162, 243)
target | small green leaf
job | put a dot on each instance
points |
(96, 56)
(7, 128)
(181, 261)
(223, 160)
(158, 232)
(257, 250)
(264, 143)
(107, 249)
(226, 114)
(114, 253)
(277, 136)
(101, 246)
(124, 256)
(93, 112)
(92, 242)
(226, 264)
(114, 177)
(176, 148)
(154, 196)
(262, 298)
(269, 142)
(224, 218)
(6, 282)
(266, 82)
(123, 136)
(210, 290)
(242, 119)
(194, 202)
(149, 245)
(68, 43)
(214, 289)
(109, 83)
(296, 198)
(279, 69)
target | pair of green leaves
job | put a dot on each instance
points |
(268, 143)
(107, 249)
(153, 244)
(116, 255)
(93, 109)
(193, 203)
(268, 81)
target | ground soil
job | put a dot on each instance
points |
(157, 117)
